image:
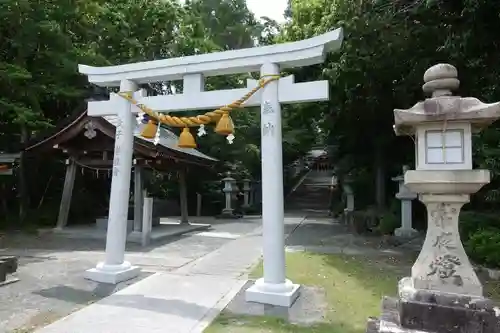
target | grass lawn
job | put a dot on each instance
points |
(354, 288)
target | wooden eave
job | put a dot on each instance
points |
(73, 126)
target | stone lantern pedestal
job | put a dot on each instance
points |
(406, 197)
(348, 195)
(443, 293)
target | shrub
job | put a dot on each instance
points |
(362, 221)
(388, 222)
(471, 222)
(483, 246)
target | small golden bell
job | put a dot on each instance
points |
(186, 139)
(225, 125)
(149, 131)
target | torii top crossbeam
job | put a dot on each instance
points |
(288, 55)
(194, 69)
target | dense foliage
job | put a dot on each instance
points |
(388, 46)
(41, 44)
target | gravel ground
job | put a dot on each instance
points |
(51, 283)
(49, 288)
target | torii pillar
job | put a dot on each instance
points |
(273, 288)
(115, 269)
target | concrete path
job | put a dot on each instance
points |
(51, 285)
(163, 302)
(182, 300)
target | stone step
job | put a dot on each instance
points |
(10, 262)
(313, 195)
(8, 266)
(3, 271)
(307, 197)
(308, 203)
(322, 207)
(421, 317)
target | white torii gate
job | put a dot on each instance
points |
(273, 288)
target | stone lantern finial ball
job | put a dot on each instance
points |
(440, 80)
(440, 71)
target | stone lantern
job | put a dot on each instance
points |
(443, 293)
(406, 197)
(230, 190)
(247, 188)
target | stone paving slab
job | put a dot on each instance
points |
(348, 250)
(164, 230)
(162, 303)
(236, 257)
(216, 234)
(232, 259)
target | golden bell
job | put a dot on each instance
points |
(225, 125)
(149, 131)
(186, 139)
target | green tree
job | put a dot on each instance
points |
(37, 61)
(388, 45)
(229, 24)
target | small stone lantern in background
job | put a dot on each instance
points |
(247, 188)
(443, 293)
(348, 194)
(230, 190)
(406, 197)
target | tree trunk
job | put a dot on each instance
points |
(22, 179)
(5, 206)
(379, 179)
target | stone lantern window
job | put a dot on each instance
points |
(441, 148)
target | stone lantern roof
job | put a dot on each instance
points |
(439, 81)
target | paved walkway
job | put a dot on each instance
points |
(185, 299)
(50, 270)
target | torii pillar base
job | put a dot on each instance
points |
(112, 274)
(283, 294)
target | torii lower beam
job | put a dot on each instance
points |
(273, 288)
(289, 93)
